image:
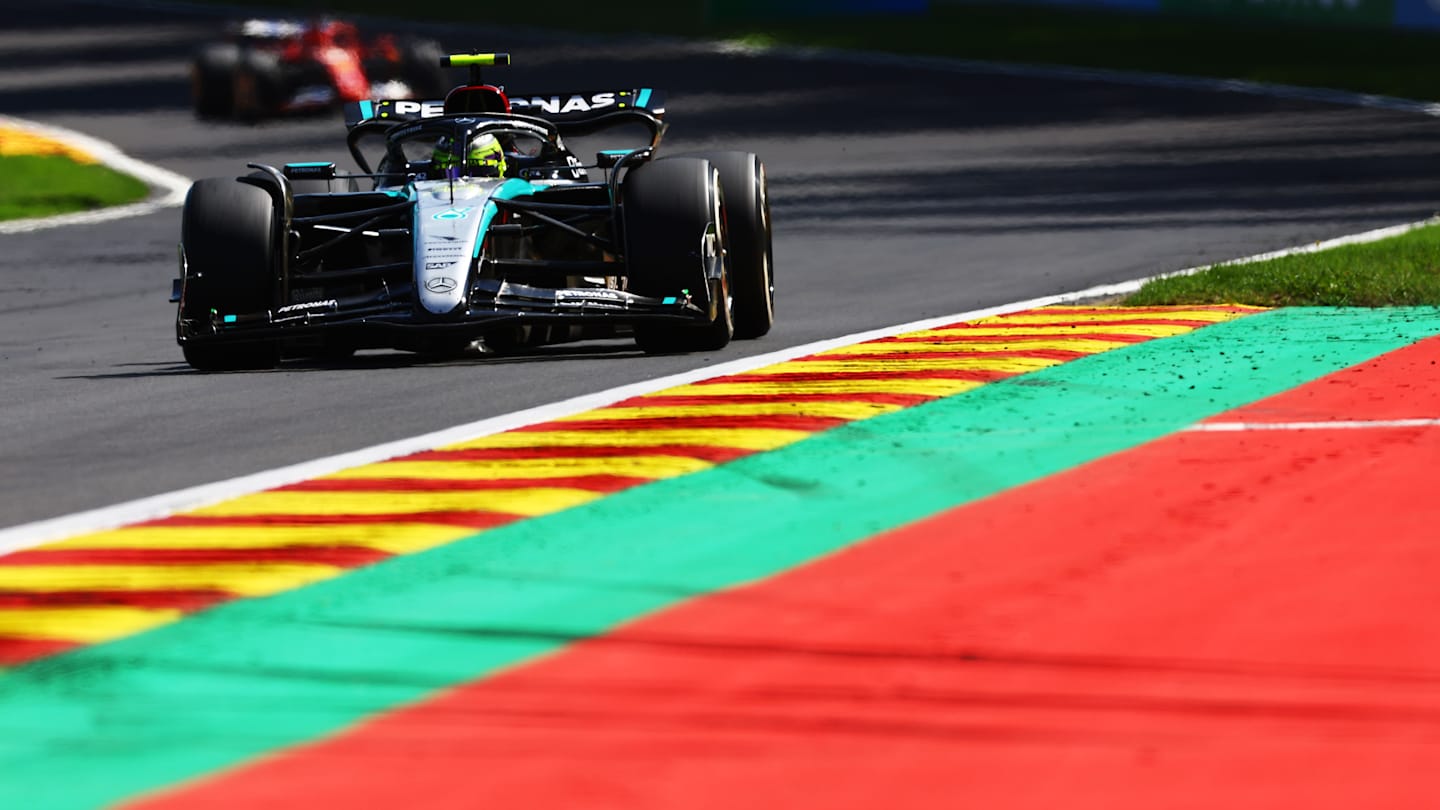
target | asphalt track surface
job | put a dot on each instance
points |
(899, 193)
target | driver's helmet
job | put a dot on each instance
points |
(484, 158)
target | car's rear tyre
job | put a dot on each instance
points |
(212, 80)
(257, 85)
(675, 245)
(751, 258)
(228, 232)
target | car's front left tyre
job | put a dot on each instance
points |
(751, 257)
(675, 246)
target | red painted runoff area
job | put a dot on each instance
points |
(1226, 619)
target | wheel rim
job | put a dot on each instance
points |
(764, 194)
(717, 243)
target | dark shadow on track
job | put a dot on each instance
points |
(373, 361)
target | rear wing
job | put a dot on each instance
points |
(568, 107)
(568, 111)
(397, 111)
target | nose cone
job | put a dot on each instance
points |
(447, 231)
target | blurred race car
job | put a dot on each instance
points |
(270, 67)
(472, 220)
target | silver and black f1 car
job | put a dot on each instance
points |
(475, 222)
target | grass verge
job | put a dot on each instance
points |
(44, 185)
(1402, 270)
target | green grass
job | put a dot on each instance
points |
(1400, 271)
(43, 185)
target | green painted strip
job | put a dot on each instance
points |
(107, 722)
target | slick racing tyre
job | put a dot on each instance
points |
(675, 244)
(258, 86)
(228, 231)
(747, 219)
(212, 80)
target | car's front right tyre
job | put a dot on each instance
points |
(228, 233)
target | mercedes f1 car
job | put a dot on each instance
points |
(268, 67)
(471, 224)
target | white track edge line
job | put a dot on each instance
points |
(167, 188)
(33, 534)
(38, 532)
(1342, 424)
(30, 534)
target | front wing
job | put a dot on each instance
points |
(378, 320)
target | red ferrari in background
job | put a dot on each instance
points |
(269, 67)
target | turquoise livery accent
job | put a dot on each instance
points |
(367, 110)
(452, 214)
(644, 99)
(508, 190)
